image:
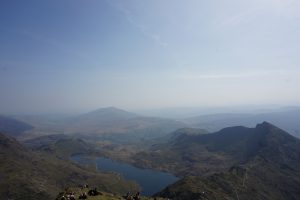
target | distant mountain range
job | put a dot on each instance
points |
(106, 123)
(119, 125)
(233, 163)
(214, 162)
(288, 119)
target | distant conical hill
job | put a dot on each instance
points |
(105, 115)
(111, 120)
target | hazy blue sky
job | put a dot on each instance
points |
(71, 55)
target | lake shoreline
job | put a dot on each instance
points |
(150, 180)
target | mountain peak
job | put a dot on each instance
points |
(112, 110)
(109, 113)
(265, 124)
(272, 131)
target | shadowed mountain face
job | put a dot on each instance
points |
(265, 163)
(196, 154)
(28, 175)
(12, 126)
(202, 154)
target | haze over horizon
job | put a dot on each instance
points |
(147, 54)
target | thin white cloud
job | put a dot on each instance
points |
(141, 27)
(54, 43)
(283, 8)
(239, 18)
(234, 75)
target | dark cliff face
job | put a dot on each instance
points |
(242, 143)
(271, 169)
(278, 146)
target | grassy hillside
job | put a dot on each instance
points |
(41, 141)
(257, 179)
(28, 175)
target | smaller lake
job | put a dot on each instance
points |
(151, 181)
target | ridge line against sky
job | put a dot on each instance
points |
(79, 55)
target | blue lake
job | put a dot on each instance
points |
(151, 181)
